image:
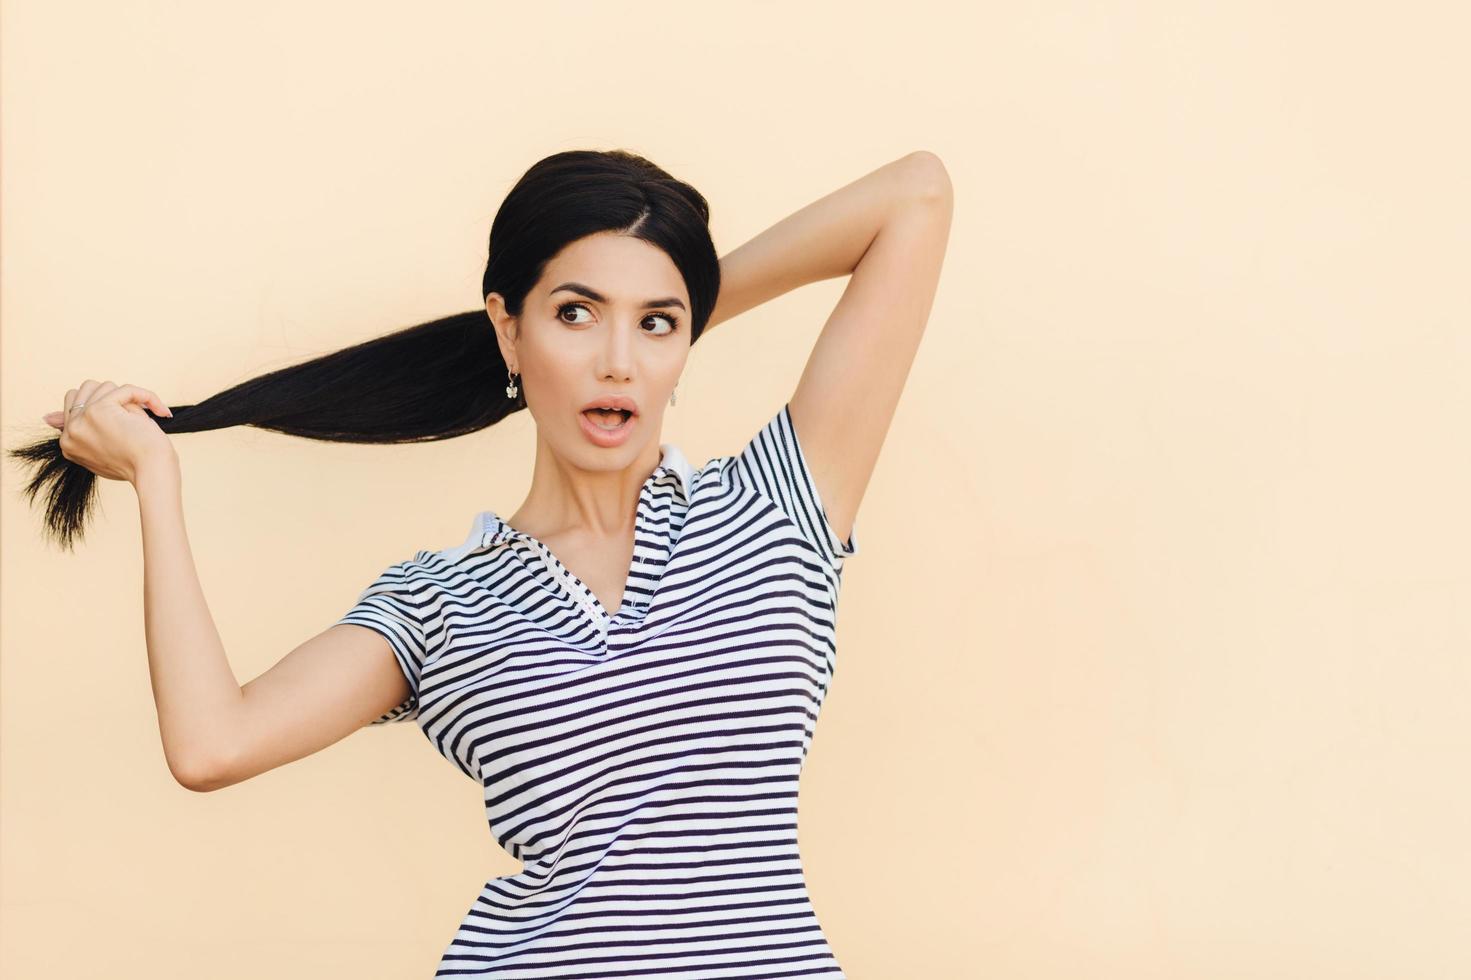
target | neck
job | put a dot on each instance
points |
(567, 499)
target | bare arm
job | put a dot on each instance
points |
(196, 693)
(822, 240)
(321, 692)
(856, 372)
(889, 230)
(216, 733)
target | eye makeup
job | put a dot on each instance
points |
(673, 320)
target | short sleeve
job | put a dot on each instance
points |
(389, 606)
(774, 465)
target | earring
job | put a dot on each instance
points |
(672, 394)
(511, 388)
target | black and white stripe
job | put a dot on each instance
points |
(642, 766)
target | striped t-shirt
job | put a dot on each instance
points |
(642, 766)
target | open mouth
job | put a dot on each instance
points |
(610, 419)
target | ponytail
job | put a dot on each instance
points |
(446, 377)
(433, 381)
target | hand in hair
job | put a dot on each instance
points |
(112, 435)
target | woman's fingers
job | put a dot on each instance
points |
(107, 428)
(148, 399)
(91, 396)
(92, 391)
(138, 395)
(78, 396)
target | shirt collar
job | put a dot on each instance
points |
(486, 530)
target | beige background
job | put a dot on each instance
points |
(1154, 663)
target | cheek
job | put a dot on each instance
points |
(541, 363)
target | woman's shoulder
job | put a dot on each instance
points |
(480, 536)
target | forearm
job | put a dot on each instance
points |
(823, 240)
(195, 692)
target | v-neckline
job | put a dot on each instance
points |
(644, 546)
(580, 589)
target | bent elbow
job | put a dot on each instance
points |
(928, 178)
(199, 777)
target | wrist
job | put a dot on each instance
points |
(157, 469)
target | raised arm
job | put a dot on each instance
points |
(889, 229)
(216, 733)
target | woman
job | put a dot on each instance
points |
(632, 663)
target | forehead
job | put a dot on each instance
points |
(624, 269)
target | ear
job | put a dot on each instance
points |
(505, 326)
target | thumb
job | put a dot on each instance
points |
(147, 399)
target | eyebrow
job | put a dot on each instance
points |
(596, 297)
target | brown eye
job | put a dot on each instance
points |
(568, 306)
(671, 320)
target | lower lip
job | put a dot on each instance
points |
(607, 438)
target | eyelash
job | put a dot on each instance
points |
(673, 320)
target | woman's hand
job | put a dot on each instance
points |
(111, 434)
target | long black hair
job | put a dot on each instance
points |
(446, 377)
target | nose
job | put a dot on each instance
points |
(615, 359)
